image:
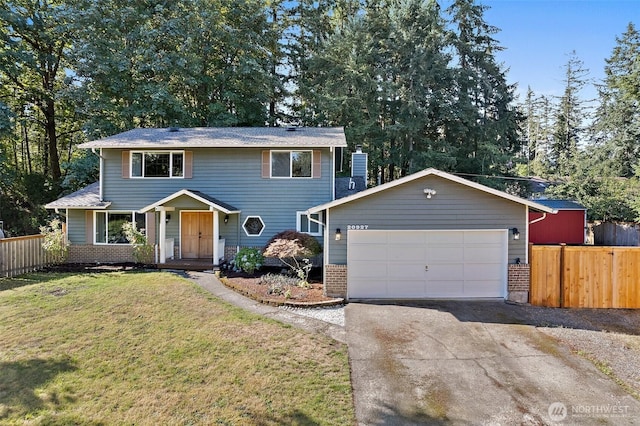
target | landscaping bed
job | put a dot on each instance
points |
(251, 285)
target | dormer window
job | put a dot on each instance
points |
(157, 164)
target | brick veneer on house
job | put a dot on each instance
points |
(518, 283)
(335, 280)
(115, 253)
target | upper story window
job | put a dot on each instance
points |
(291, 164)
(160, 164)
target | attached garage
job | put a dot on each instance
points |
(426, 264)
(427, 235)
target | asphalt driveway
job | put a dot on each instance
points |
(472, 363)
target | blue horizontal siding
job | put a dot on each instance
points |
(233, 176)
(406, 207)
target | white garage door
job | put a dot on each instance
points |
(426, 264)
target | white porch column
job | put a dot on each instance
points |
(162, 232)
(216, 238)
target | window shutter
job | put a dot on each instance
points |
(266, 166)
(188, 164)
(316, 171)
(88, 226)
(126, 168)
(151, 227)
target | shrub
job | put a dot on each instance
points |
(289, 251)
(55, 242)
(278, 280)
(142, 250)
(279, 285)
(305, 240)
(248, 260)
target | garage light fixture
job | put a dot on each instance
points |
(429, 192)
(338, 234)
(516, 233)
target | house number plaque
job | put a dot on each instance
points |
(358, 227)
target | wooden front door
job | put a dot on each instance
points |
(197, 235)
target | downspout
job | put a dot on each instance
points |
(101, 167)
(315, 221)
(325, 238)
(540, 219)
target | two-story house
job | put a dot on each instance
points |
(201, 192)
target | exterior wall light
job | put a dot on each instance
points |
(338, 234)
(516, 233)
(429, 192)
(226, 218)
(167, 218)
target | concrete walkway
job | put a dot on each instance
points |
(209, 282)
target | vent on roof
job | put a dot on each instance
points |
(174, 129)
(291, 129)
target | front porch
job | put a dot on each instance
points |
(188, 265)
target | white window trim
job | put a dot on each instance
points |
(143, 152)
(300, 216)
(108, 212)
(264, 226)
(290, 151)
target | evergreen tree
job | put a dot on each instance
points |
(536, 111)
(486, 130)
(187, 63)
(617, 124)
(569, 118)
(384, 76)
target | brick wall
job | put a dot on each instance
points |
(335, 280)
(518, 283)
(116, 253)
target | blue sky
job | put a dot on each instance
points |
(539, 35)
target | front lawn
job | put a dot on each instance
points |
(153, 348)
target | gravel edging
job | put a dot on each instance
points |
(331, 314)
(615, 354)
(609, 338)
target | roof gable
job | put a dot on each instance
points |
(224, 137)
(432, 172)
(197, 195)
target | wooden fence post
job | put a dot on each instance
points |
(561, 269)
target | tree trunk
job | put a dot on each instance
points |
(52, 139)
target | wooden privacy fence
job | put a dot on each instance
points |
(585, 277)
(21, 255)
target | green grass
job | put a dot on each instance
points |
(153, 348)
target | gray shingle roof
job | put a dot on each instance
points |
(345, 187)
(214, 200)
(229, 137)
(87, 197)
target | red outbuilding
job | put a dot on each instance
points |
(567, 226)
